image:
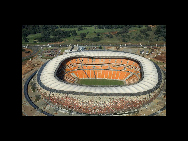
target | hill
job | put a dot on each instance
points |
(94, 34)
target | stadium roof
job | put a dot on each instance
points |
(149, 81)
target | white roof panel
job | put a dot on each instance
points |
(149, 81)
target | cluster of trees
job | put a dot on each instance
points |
(143, 34)
(57, 35)
(117, 26)
(110, 26)
(161, 32)
(125, 38)
(109, 35)
(47, 31)
(50, 34)
(74, 26)
(94, 39)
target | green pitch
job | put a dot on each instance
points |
(99, 82)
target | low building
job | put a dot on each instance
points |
(68, 49)
(81, 48)
(75, 48)
(142, 52)
(147, 52)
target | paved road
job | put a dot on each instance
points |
(34, 49)
(28, 98)
(158, 111)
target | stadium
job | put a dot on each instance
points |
(99, 82)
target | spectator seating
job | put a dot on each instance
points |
(102, 68)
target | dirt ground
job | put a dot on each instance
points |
(26, 54)
(28, 65)
(162, 57)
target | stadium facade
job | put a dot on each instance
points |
(57, 81)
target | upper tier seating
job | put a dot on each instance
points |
(108, 68)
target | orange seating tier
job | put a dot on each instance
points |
(108, 68)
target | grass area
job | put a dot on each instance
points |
(63, 49)
(47, 57)
(90, 30)
(37, 98)
(99, 82)
(33, 86)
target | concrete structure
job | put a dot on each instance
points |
(81, 48)
(68, 50)
(100, 100)
(75, 48)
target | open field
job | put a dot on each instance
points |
(99, 82)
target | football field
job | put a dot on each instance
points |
(99, 82)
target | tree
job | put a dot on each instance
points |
(110, 36)
(95, 39)
(117, 47)
(52, 28)
(149, 28)
(80, 28)
(139, 26)
(25, 39)
(125, 37)
(138, 37)
(161, 31)
(124, 30)
(25, 33)
(144, 33)
(74, 33)
(98, 34)
(108, 26)
(82, 35)
(99, 26)
(45, 33)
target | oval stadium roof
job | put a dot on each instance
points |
(150, 78)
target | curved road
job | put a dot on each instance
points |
(28, 98)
